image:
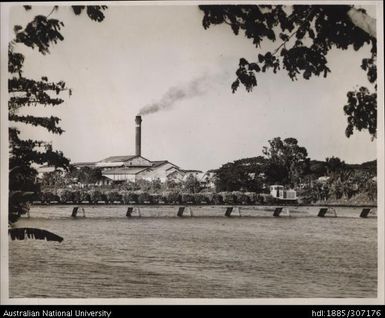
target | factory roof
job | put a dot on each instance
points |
(173, 167)
(157, 163)
(118, 158)
(84, 164)
(124, 171)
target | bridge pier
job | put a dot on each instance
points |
(182, 209)
(277, 212)
(327, 212)
(367, 212)
(131, 210)
(75, 211)
(230, 210)
(280, 211)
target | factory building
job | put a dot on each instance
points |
(135, 167)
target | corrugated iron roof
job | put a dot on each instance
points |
(123, 171)
(118, 158)
(174, 167)
(84, 164)
(175, 172)
(158, 163)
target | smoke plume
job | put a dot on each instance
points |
(197, 87)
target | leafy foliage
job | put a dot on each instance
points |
(23, 153)
(18, 204)
(307, 33)
(287, 161)
(244, 174)
(85, 175)
(335, 165)
(192, 185)
(361, 110)
(41, 33)
(284, 162)
(23, 233)
(94, 12)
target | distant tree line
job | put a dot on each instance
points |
(284, 162)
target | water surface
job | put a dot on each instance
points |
(107, 255)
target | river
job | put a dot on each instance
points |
(107, 255)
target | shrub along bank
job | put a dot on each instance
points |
(63, 196)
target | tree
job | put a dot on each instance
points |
(172, 184)
(244, 174)
(191, 185)
(86, 175)
(143, 185)
(317, 168)
(335, 165)
(41, 33)
(287, 161)
(370, 167)
(307, 33)
(156, 185)
(54, 178)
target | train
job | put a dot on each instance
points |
(280, 194)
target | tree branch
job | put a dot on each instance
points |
(52, 11)
(293, 33)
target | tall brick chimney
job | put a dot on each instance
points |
(138, 135)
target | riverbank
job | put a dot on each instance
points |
(100, 196)
(359, 200)
(317, 204)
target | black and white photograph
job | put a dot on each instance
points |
(192, 152)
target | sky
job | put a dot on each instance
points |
(140, 54)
